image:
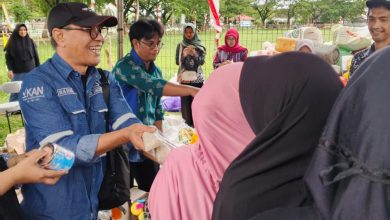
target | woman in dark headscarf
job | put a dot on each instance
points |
(349, 177)
(21, 55)
(294, 94)
(231, 51)
(190, 56)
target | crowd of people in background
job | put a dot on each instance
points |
(280, 137)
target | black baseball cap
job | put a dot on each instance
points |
(79, 14)
(378, 3)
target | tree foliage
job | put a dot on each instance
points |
(304, 11)
(232, 8)
(20, 13)
(265, 9)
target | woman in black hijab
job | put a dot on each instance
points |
(21, 55)
(349, 177)
(286, 99)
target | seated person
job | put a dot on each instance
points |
(228, 113)
(286, 99)
(231, 52)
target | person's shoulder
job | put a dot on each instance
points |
(361, 53)
(125, 61)
(41, 73)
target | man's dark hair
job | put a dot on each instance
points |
(378, 3)
(145, 28)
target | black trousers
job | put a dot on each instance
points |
(186, 102)
(144, 173)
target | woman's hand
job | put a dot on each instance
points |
(28, 170)
(134, 134)
(10, 74)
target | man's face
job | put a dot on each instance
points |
(147, 50)
(79, 48)
(379, 24)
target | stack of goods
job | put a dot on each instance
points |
(285, 44)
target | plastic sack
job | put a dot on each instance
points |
(329, 53)
(351, 38)
(311, 33)
(172, 125)
(14, 142)
(176, 134)
(157, 147)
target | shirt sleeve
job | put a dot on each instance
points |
(244, 55)
(354, 65)
(216, 60)
(159, 111)
(49, 121)
(9, 59)
(177, 54)
(36, 56)
(200, 58)
(121, 115)
(132, 74)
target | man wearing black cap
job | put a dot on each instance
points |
(378, 20)
(62, 102)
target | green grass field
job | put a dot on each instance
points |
(250, 38)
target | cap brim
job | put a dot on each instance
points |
(102, 21)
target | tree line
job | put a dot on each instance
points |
(298, 11)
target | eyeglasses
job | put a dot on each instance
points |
(93, 31)
(152, 45)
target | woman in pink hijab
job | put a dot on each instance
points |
(232, 51)
(186, 185)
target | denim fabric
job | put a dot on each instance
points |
(57, 109)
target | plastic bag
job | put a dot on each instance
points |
(176, 134)
(311, 33)
(329, 53)
(351, 38)
(157, 146)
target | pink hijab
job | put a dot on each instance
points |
(237, 47)
(186, 185)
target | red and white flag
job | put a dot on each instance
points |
(214, 18)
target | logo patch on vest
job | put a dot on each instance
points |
(33, 94)
(96, 89)
(65, 91)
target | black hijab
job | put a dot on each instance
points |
(286, 100)
(349, 177)
(20, 47)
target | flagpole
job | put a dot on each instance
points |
(214, 15)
